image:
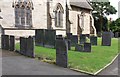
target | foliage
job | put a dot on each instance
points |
(100, 11)
(115, 25)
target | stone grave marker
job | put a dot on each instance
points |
(117, 34)
(106, 39)
(23, 45)
(93, 40)
(87, 47)
(12, 43)
(50, 37)
(79, 47)
(61, 53)
(30, 47)
(82, 38)
(74, 40)
(39, 37)
(5, 42)
(69, 35)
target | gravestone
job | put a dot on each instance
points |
(50, 37)
(79, 47)
(87, 47)
(93, 40)
(5, 42)
(12, 43)
(82, 38)
(74, 40)
(117, 34)
(112, 34)
(106, 39)
(39, 37)
(61, 53)
(23, 45)
(69, 35)
(30, 47)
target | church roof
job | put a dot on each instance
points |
(81, 3)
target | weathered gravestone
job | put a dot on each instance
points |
(87, 35)
(112, 34)
(69, 35)
(74, 40)
(106, 39)
(79, 47)
(87, 47)
(30, 47)
(82, 38)
(117, 34)
(5, 42)
(50, 37)
(93, 40)
(27, 46)
(39, 37)
(23, 45)
(12, 43)
(61, 53)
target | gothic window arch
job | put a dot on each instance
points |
(59, 11)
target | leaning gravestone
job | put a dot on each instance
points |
(74, 40)
(61, 53)
(30, 47)
(12, 43)
(82, 38)
(106, 39)
(87, 47)
(5, 42)
(39, 37)
(23, 45)
(93, 40)
(50, 37)
(79, 47)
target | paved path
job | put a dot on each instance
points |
(15, 64)
(112, 69)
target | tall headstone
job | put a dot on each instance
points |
(87, 47)
(79, 47)
(69, 35)
(12, 43)
(39, 37)
(74, 40)
(50, 37)
(93, 40)
(117, 34)
(30, 47)
(106, 39)
(5, 42)
(23, 45)
(82, 38)
(61, 53)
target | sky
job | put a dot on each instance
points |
(115, 4)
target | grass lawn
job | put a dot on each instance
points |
(89, 62)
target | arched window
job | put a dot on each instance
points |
(59, 11)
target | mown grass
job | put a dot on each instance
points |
(89, 62)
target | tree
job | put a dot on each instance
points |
(100, 11)
(115, 25)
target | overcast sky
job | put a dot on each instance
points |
(115, 4)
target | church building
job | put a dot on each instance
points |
(22, 17)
